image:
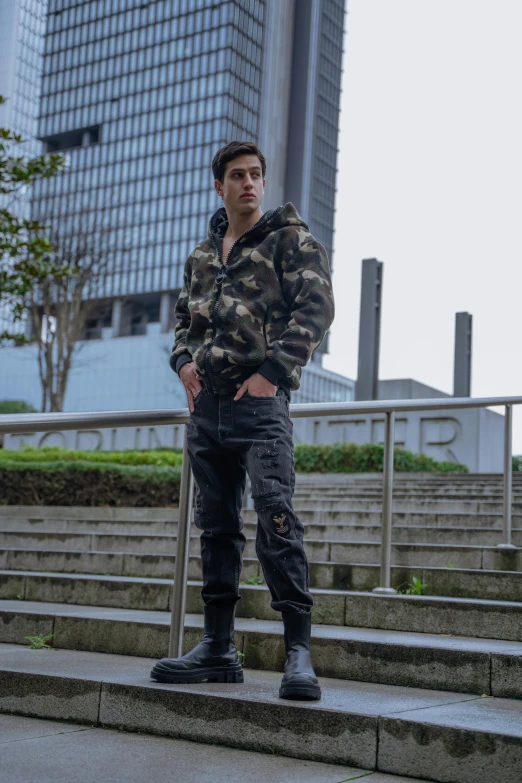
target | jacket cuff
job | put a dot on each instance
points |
(180, 360)
(271, 371)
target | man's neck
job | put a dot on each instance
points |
(238, 224)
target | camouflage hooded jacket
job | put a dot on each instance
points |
(266, 310)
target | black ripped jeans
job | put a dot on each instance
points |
(227, 439)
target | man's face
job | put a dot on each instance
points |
(243, 184)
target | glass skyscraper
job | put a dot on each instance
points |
(140, 95)
(22, 30)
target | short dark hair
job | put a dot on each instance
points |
(233, 150)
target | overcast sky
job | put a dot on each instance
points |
(430, 183)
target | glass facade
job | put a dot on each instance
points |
(21, 67)
(140, 96)
(28, 73)
(320, 385)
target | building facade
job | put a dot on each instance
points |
(139, 96)
(22, 36)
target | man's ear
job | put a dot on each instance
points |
(218, 186)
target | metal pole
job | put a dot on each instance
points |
(179, 589)
(387, 497)
(508, 477)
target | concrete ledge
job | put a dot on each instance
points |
(489, 619)
(432, 614)
(365, 725)
(460, 664)
(363, 552)
(34, 694)
(323, 531)
(502, 585)
(459, 744)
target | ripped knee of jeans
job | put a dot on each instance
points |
(266, 500)
(268, 457)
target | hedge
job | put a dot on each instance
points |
(336, 458)
(62, 483)
(53, 476)
(16, 406)
(158, 457)
(366, 458)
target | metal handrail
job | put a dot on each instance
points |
(51, 422)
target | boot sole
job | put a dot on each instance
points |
(300, 692)
(216, 674)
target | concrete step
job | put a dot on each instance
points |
(480, 618)
(51, 751)
(459, 582)
(438, 736)
(478, 520)
(316, 516)
(361, 552)
(431, 661)
(450, 488)
(309, 511)
(413, 478)
(62, 518)
(457, 493)
(328, 531)
(479, 492)
(404, 534)
(416, 497)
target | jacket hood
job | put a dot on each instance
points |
(274, 219)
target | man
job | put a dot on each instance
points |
(255, 303)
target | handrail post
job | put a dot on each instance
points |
(179, 589)
(508, 478)
(387, 499)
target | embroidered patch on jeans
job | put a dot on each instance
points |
(280, 524)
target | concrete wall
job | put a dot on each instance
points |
(407, 389)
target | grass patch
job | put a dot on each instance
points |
(48, 454)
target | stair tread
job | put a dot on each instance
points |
(307, 540)
(160, 580)
(442, 708)
(345, 633)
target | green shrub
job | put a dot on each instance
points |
(517, 463)
(56, 453)
(16, 406)
(53, 476)
(365, 458)
(82, 483)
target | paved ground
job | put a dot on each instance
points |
(56, 752)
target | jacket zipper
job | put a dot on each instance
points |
(219, 281)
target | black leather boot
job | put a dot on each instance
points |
(299, 680)
(213, 659)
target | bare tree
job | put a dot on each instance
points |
(26, 255)
(60, 307)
